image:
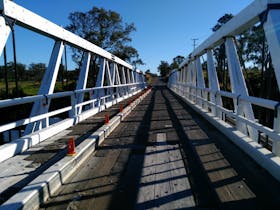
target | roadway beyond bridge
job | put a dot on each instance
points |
(165, 156)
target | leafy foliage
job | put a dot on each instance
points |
(165, 68)
(176, 62)
(105, 29)
(220, 54)
(222, 20)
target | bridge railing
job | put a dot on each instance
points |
(73, 110)
(189, 82)
(116, 80)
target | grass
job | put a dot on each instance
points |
(29, 88)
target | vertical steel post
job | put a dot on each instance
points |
(82, 81)
(200, 82)
(276, 127)
(189, 81)
(110, 79)
(128, 80)
(193, 81)
(117, 81)
(98, 94)
(272, 33)
(124, 89)
(132, 76)
(213, 84)
(238, 86)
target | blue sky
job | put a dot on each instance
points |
(164, 27)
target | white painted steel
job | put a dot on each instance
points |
(47, 87)
(272, 33)
(200, 80)
(43, 26)
(45, 185)
(238, 86)
(189, 88)
(265, 158)
(116, 80)
(213, 83)
(82, 81)
(246, 18)
(4, 33)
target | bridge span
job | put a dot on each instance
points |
(187, 144)
(163, 155)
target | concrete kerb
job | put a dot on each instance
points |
(262, 156)
(45, 185)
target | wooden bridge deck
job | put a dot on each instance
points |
(164, 156)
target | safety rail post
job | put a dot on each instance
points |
(74, 111)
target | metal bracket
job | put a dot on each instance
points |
(216, 93)
(46, 100)
(237, 99)
(9, 22)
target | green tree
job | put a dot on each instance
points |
(176, 62)
(164, 68)
(256, 51)
(105, 29)
(220, 53)
(36, 71)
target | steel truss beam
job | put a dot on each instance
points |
(47, 87)
(238, 86)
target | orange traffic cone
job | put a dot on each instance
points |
(121, 108)
(71, 149)
(107, 120)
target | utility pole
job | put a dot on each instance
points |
(194, 42)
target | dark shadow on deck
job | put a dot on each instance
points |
(265, 188)
(127, 191)
(204, 196)
(124, 196)
(128, 186)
